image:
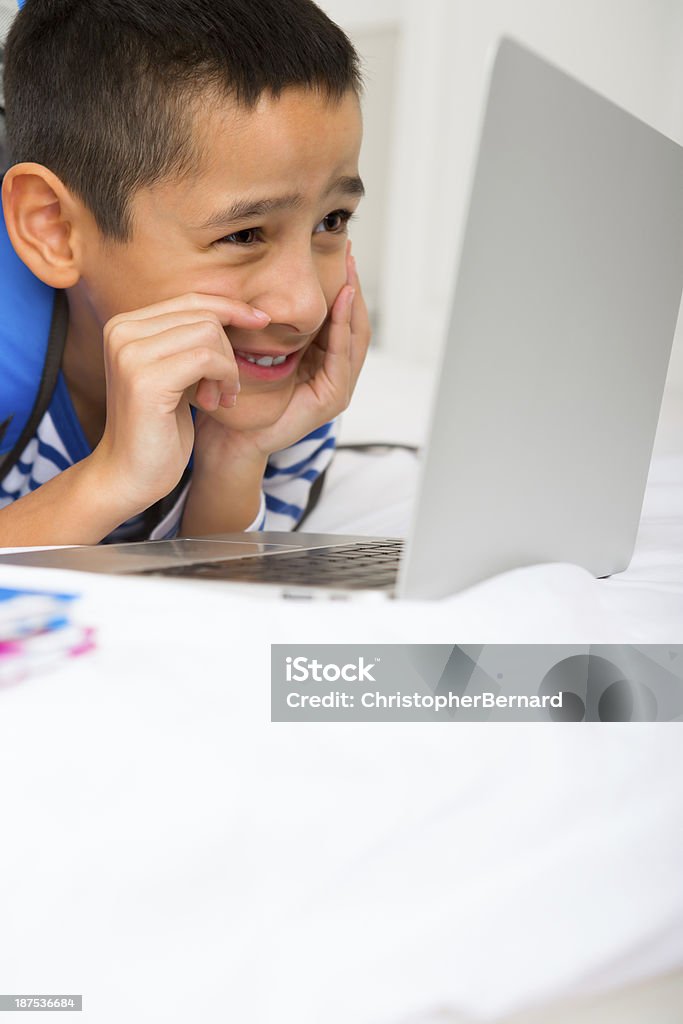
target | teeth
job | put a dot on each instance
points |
(264, 360)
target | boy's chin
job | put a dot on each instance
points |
(254, 411)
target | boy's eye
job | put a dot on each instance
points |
(238, 237)
(333, 224)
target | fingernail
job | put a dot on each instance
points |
(260, 314)
(349, 301)
(228, 401)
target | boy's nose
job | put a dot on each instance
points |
(292, 294)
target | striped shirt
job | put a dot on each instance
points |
(59, 442)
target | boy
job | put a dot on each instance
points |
(184, 173)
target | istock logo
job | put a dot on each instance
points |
(300, 670)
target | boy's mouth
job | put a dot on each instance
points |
(262, 360)
(267, 365)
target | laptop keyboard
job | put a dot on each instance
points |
(366, 565)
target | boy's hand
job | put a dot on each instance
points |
(327, 377)
(229, 463)
(157, 360)
(329, 370)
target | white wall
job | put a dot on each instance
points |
(379, 47)
(630, 50)
(375, 28)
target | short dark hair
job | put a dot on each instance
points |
(104, 92)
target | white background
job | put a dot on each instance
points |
(425, 62)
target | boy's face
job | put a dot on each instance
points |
(288, 261)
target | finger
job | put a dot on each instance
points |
(359, 315)
(340, 318)
(360, 321)
(124, 331)
(349, 263)
(131, 362)
(207, 395)
(168, 379)
(161, 336)
(227, 310)
(164, 335)
(128, 357)
(360, 324)
(336, 364)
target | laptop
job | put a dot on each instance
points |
(563, 314)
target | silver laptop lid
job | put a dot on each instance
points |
(564, 310)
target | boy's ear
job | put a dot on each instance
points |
(42, 221)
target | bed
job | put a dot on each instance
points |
(174, 856)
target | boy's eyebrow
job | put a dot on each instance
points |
(245, 209)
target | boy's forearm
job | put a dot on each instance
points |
(223, 498)
(79, 506)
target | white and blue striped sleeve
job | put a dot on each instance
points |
(289, 476)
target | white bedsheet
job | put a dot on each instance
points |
(167, 851)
